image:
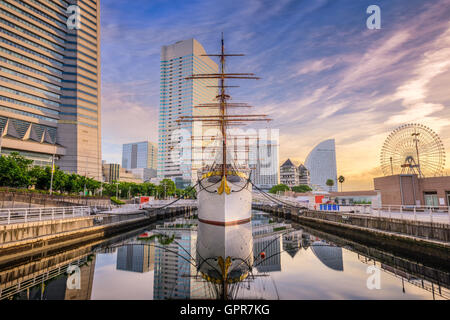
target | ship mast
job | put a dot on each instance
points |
(223, 120)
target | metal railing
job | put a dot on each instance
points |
(434, 214)
(23, 215)
(439, 214)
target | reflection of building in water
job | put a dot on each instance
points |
(107, 250)
(173, 267)
(329, 255)
(292, 242)
(51, 283)
(271, 246)
(260, 218)
(87, 279)
(136, 257)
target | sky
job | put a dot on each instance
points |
(324, 74)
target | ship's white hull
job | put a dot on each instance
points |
(224, 208)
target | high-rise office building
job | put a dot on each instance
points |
(263, 160)
(139, 155)
(178, 97)
(50, 83)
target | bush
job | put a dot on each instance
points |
(117, 201)
(279, 187)
(301, 188)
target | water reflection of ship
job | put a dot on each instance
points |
(236, 260)
(224, 257)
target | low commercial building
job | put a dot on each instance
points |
(303, 176)
(113, 172)
(409, 189)
(357, 197)
(145, 174)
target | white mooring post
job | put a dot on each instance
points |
(415, 216)
(431, 215)
(9, 216)
(389, 212)
(401, 212)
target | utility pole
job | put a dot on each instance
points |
(1, 140)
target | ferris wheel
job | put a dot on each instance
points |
(413, 149)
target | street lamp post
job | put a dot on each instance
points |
(52, 171)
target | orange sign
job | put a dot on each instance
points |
(319, 199)
(145, 199)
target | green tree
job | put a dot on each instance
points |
(279, 187)
(330, 183)
(301, 188)
(166, 188)
(14, 171)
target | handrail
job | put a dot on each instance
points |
(23, 215)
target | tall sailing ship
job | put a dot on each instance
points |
(224, 191)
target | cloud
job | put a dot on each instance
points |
(324, 74)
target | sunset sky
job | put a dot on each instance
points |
(324, 74)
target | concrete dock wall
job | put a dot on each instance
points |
(18, 241)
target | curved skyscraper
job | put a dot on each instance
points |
(321, 163)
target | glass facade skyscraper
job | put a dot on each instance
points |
(178, 96)
(264, 159)
(50, 83)
(139, 155)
